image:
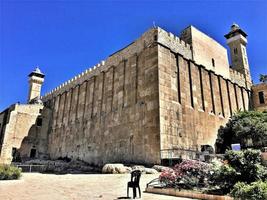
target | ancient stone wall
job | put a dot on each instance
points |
(37, 137)
(194, 103)
(144, 99)
(238, 78)
(207, 51)
(20, 120)
(110, 114)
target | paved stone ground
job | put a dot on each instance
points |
(36, 186)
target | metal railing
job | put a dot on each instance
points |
(175, 155)
(31, 168)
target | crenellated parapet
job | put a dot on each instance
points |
(174, 43)
(151, 37)
(76, 80)
(237, 77)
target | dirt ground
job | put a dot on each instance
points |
(36, 186)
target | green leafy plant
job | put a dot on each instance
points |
(239, 166)
(8, 172)
(249, 128)
(223, 179)
(254, 191)
(263, 78)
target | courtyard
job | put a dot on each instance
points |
(32, 186)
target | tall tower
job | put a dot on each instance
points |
(36, 79)
(237, 41)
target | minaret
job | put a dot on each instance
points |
(36, 79)
(237, 41)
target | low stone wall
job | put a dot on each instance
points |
(186, 193)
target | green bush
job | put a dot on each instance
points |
(247, 163)
(223, 179)
(239, 166)
(249, 128)
(254, 191)
(8, 172)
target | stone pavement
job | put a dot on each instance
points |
(36, 186)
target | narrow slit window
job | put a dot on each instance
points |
(235, 51)
(213, 62)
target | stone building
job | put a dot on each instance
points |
(259, 96)
(160, 97)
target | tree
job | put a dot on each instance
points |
(263, 78)
(249, 128)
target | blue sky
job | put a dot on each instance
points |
(66, 37)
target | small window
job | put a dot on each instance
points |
(261, 97)
(213, 62)
(39, 121)
(235, 51)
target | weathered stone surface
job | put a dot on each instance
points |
(203, 51)
(16, 124)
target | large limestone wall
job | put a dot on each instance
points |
(37, 137)
(239, 78)
(21, 118)
(111, 114)
(4, 120)
(194, 103)
(144, 99)
(205, 49)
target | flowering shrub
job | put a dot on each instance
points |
(188, 174)
(168, 177)
(192, 173)
(240, 173)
